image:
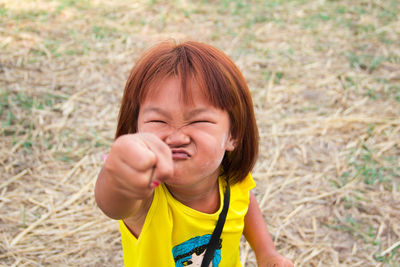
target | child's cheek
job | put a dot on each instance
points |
(211, 164)
(215, 153)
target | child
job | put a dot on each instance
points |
(186, 141)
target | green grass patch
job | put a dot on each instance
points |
(367, 169)
(53, 45)
(31, 15)
(366, 234)
(268, 75)
(365, 61)
(3, 11)
(100, 33)
(3, 103)
(387, 258)
(370, 169)
(16, 107)
(77, 4)
(355, 228)
(383, 90)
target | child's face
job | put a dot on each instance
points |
(197, 133)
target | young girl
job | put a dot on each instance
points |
(186, 141)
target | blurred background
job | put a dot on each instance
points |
(325, 80)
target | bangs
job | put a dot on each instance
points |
(192, 68)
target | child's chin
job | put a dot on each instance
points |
(176, 180)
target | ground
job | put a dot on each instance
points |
(325, 80)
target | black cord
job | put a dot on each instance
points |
(212, 246)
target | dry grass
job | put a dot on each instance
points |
(325, 77)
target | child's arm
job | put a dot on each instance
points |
(257, 235)
(135, 165)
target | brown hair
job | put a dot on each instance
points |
(222, 82)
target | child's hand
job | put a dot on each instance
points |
(276, 261)
(137, 163)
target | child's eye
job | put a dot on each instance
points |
(201, 121)
(157, 121)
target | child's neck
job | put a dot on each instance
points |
(204, 198)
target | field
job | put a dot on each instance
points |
(325, 80)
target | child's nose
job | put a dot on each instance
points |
(176, 137)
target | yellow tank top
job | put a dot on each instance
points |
(176, 235)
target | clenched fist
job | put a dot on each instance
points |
(136, 164)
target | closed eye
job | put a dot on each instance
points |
(201, 121)
(156, 121)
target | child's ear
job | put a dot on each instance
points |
(231, 144)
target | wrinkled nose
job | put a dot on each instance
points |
(177, 138)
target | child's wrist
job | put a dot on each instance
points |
(267, 254)
(273, 258)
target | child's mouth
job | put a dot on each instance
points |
(180, 154)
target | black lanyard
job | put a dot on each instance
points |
(212, 246)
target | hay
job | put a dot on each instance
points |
(325, 81)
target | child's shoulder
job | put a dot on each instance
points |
(246, 184)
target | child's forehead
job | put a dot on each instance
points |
(190, 90)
